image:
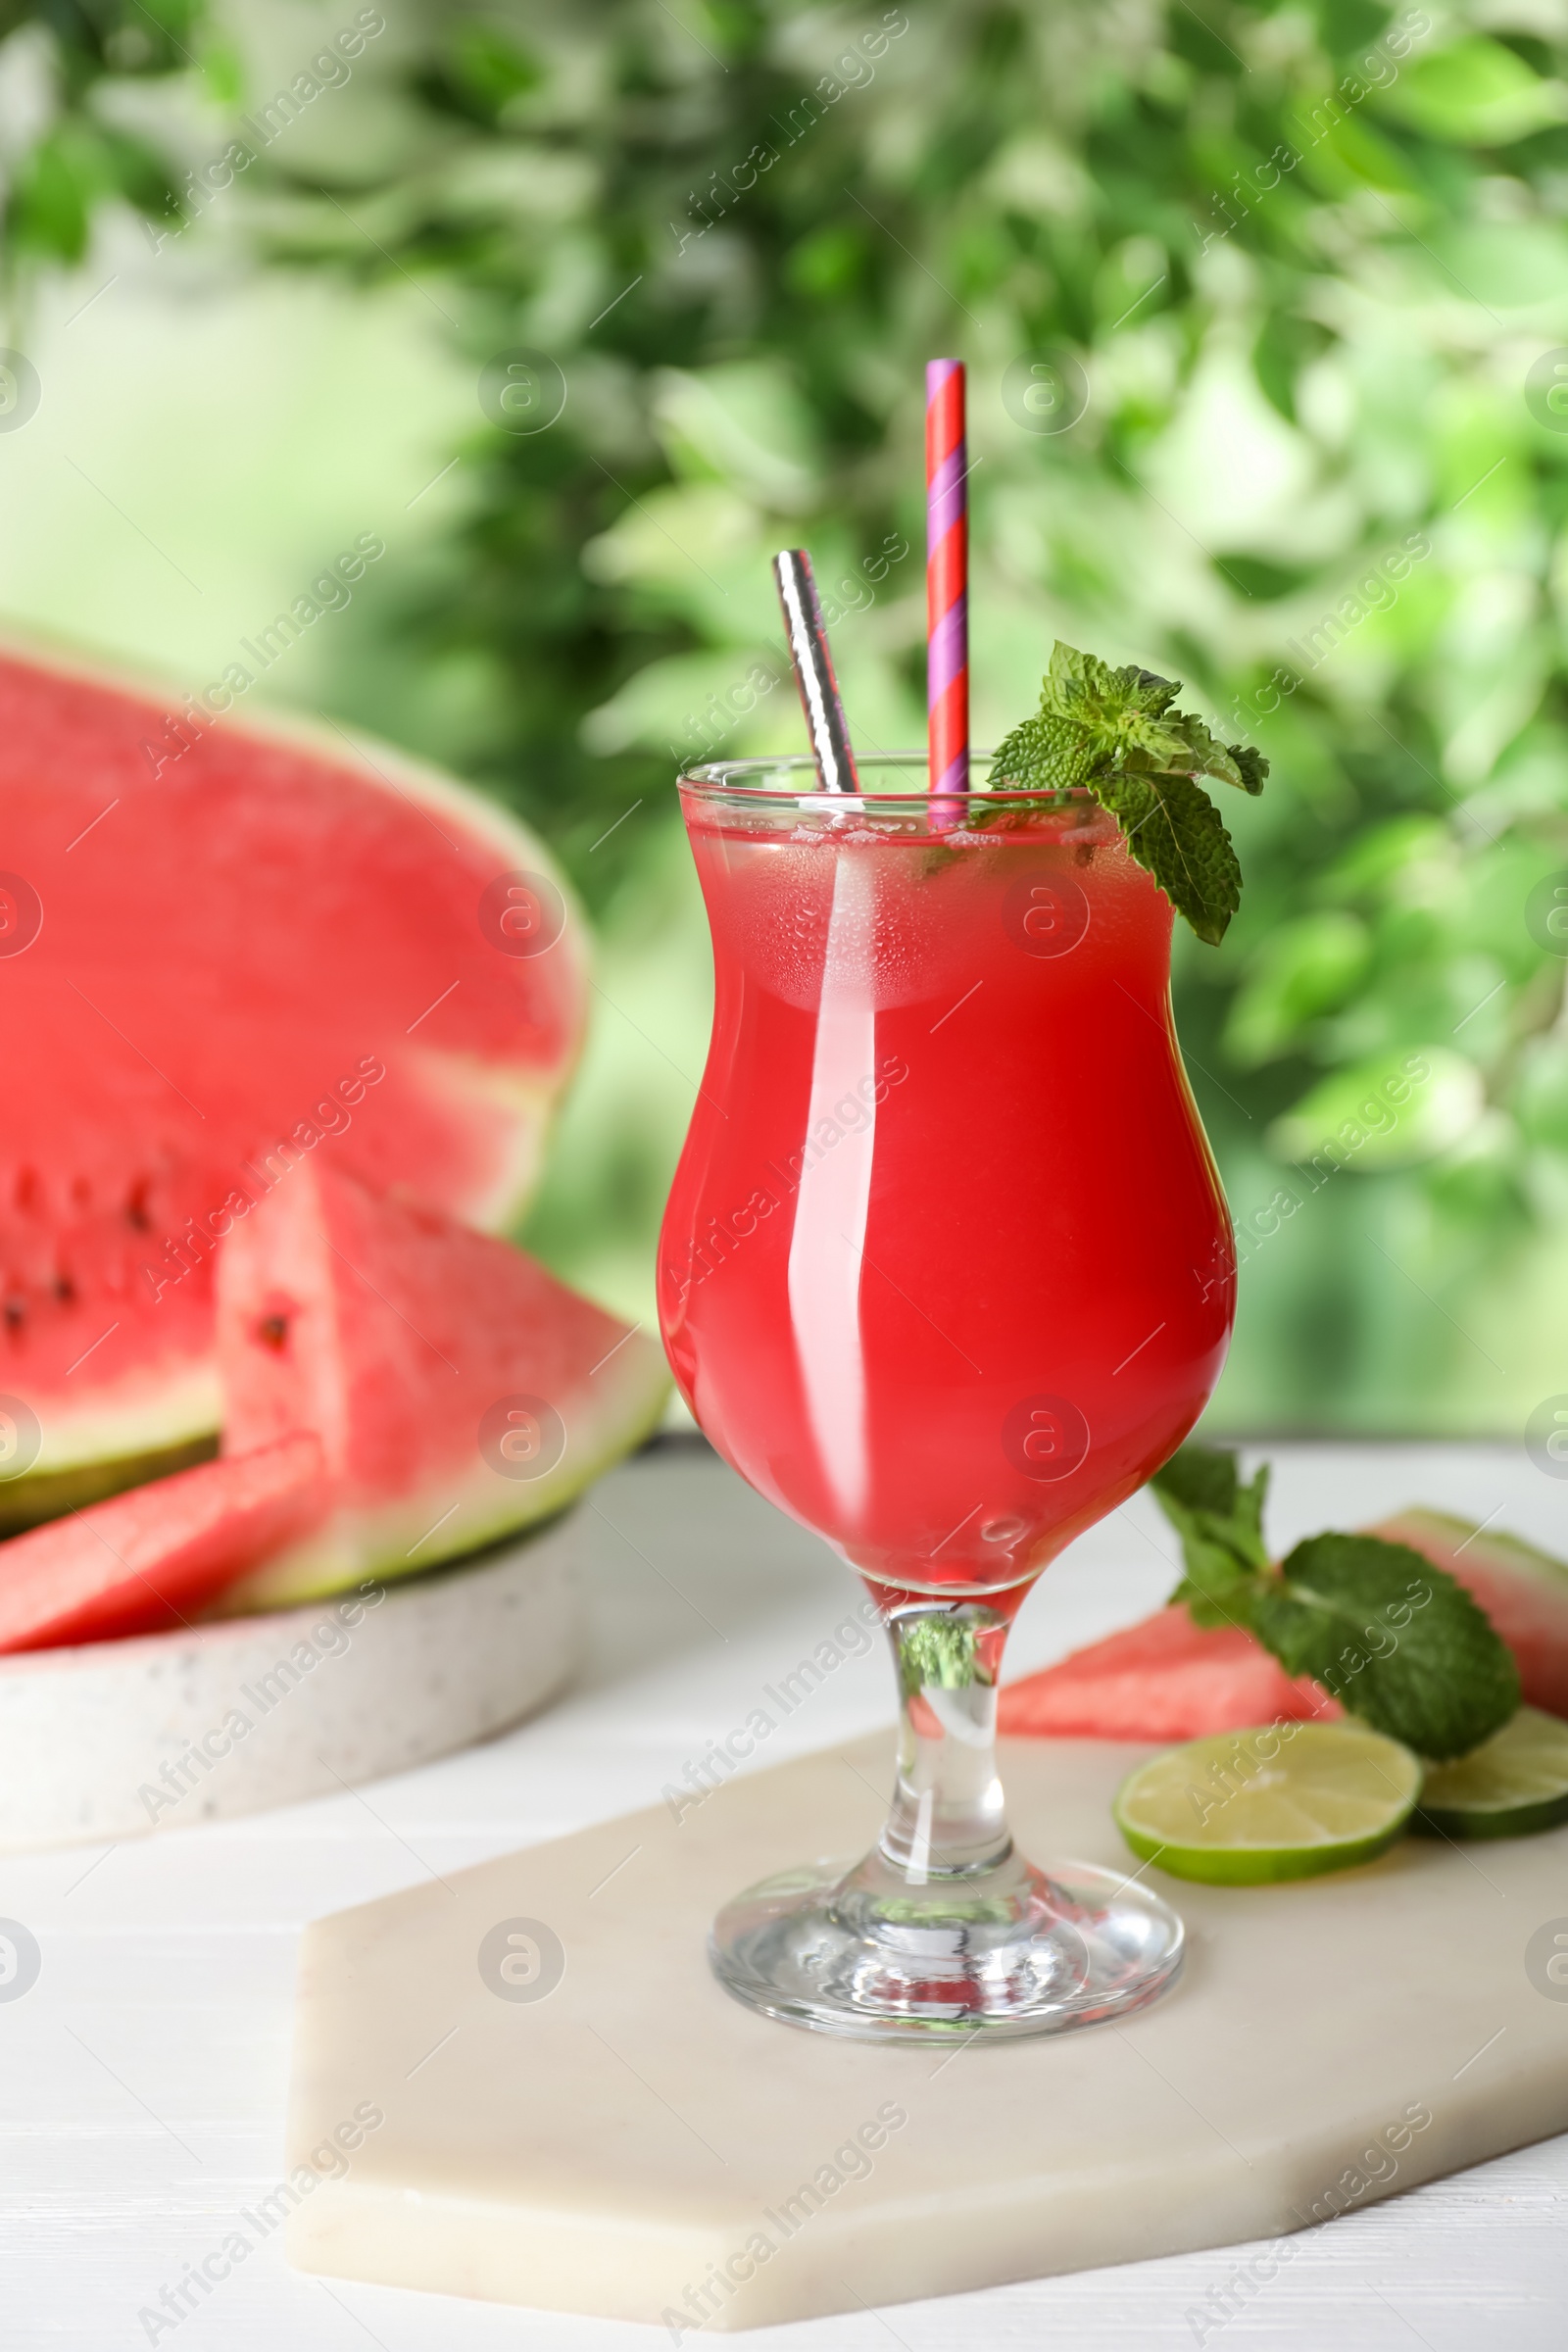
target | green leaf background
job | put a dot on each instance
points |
(1302, 260)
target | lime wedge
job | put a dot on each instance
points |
(1286, 1801)
(1512, 1784)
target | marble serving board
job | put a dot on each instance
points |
(522, 2084)
(117, 1740)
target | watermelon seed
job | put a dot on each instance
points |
(272, 1332)
(16, 1311)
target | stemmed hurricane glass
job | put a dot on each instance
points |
(946, 1273)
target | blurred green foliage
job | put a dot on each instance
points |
(74, 156)
(1309, 263)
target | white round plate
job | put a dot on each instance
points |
(118, 1738)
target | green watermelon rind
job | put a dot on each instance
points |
(478, 1510)
(43, 1495)
(1507, 1552)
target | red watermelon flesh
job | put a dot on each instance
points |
(458, 1390)
(1162, 1679)
(1524, 1592)
(216, 960)
(153, 1559)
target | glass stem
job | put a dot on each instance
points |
(948, 1818)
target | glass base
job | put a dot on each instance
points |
(860, 1950)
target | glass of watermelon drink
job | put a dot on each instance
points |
(946, 1273)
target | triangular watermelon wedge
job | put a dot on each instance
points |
(156, 1557)
(458, 1390)
(1164, 1677)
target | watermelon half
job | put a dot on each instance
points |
(228, 950)
(457, 1390)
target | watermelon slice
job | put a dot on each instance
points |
(153, 1559)
(458, 1390)
(227, 948)
(1162, 1679)
(1169, 1679)
(1523, 1590)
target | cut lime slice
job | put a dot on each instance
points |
(1286, 1801)
(1512, 1784)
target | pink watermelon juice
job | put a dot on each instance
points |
(945, 1271)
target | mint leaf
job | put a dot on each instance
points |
(1215, 1591)
(1126, 716)
(1116, 711)
(1251, 766)
(1397, 1642)
(1115, 732)
(1046, 755)
(1204, 754)
(1221, 1523)
(1173, 829)
(1082, 687)
(1199, 1478)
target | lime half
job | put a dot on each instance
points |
(1512, 1784)
(1286, 1801)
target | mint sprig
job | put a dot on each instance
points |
(1395, 1639)
(1221, 1523)
(1116, 733)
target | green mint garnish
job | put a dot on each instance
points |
(1395, 1639)
(1115, 732)
(1221, 1523)
(1397, 1642)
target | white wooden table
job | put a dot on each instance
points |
(142, 2076)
